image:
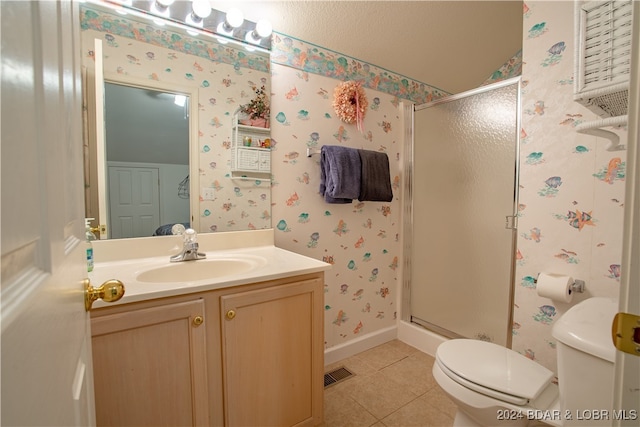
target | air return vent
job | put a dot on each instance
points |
(336, 376)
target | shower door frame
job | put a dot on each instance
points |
(408, 210)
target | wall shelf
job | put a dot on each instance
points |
(603, 56)
(249, 161)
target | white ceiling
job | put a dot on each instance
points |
(452, 45)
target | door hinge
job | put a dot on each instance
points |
(625, 332)
(511, 222)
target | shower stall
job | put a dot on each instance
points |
(461, 206)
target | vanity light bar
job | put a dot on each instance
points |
(177, 12)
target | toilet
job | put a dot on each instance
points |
(495, 386)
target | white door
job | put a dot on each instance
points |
(46, 349)
(134, 201)
(627, 376)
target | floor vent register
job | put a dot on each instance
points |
(337, 375)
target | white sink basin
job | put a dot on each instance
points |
(193, 271)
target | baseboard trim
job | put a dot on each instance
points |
(419, 337)
(360, 344)
(416, 336)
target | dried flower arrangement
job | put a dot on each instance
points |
(258, 107)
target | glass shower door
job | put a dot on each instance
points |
(464, 189)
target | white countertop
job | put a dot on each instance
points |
(275, 263)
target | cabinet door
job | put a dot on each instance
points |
(265, 161)
(248, 159)
(150, 366)
(273, 355)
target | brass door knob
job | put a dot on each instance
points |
(231, 314)
(110, 291)
(197, 321)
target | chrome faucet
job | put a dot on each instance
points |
(189, 249)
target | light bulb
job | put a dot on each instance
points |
(201, 8)
(252, 37)
(159, 9)
(232, 21)
(194, 21)
(165, 3)
(234, 17)
(264, 28)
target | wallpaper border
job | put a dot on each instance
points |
(311, 58)
(112, 24)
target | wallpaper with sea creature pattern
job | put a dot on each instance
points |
(361, 239)
(571, 187)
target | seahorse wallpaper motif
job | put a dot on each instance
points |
(571, 188)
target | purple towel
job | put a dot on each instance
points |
(340, 174)
(375, 178)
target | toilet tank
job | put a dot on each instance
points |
(585, 361)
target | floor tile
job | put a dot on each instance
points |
(340, 410)
(384, 355)
(393, 386)
(440, 400)
(418, 413)
(378, 394)
(414, 372)
(355, 364)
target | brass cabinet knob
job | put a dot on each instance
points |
(110, 291)
(231, 314)
(197, 321)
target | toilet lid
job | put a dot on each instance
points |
(494, 367)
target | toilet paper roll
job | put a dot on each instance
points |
(555, 286)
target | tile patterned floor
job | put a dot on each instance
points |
(392, 387)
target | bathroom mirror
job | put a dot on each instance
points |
(162, 61)
(147, 136)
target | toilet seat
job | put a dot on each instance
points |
(516, 400)
(493, 370)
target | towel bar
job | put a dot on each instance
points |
(312, 151)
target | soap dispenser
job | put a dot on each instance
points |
(89, 237)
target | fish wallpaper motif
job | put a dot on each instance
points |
(360, 239)
(571, 188)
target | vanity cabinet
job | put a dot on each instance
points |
(248, 355)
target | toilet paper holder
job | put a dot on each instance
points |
(577, 285)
